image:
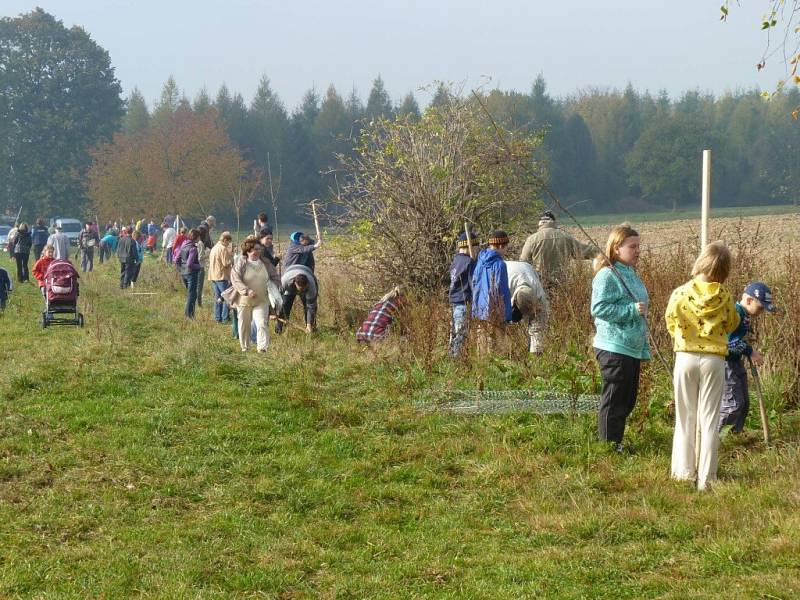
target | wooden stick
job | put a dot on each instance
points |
(469, 239)
(761, 407)
(316, 221)
(290, 324)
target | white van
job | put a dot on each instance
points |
(72, 227)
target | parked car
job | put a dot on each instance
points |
(4, 229)
(72, 227)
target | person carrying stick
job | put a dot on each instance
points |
(757, 298)
(460, 293)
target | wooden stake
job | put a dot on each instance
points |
(316, 221)
(469, 239)
(761, 406)
(705, 208)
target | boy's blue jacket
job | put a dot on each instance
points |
(461, 270)
(490, 285)
(737, 346)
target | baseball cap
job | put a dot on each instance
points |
(762, 293)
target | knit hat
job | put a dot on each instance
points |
(498, 238)
(462, 240)
(295, 237)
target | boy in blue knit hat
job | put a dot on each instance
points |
(301, 250)
(460, 293)
(757, 298)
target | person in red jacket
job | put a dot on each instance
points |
(176, 246)
(40, 267)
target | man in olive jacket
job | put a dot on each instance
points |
(550, 249)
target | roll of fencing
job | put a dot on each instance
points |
(480, 402)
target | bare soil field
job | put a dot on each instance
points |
(769, 234)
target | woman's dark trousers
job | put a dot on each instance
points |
(620, 375)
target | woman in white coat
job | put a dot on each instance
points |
(249, 278)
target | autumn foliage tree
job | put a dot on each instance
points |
(183, 162)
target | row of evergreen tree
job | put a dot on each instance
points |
(605, 150)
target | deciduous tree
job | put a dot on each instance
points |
(58, 98)
(184, 163)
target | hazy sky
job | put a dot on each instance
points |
(671, 44)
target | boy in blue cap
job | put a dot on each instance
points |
(460, 293)
(757, 298)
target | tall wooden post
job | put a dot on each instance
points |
(705, 208)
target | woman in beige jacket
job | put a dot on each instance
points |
(220, 261)
(249, 277)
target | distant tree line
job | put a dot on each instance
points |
(604, 150)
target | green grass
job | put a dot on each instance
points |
(693, 213)
(144, 455)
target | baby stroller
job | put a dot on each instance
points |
(61, 295)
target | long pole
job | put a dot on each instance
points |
(275, 235)
(316, 221)
(469, 239)
(705, 208)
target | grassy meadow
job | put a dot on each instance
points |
(146, 456)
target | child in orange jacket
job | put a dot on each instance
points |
(40, 268)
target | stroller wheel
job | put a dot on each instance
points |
(80, 319)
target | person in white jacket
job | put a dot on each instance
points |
(528, 299)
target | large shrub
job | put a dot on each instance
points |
(413, 183)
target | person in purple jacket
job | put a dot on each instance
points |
(190, 270)
(460, 293)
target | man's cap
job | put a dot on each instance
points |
(762, 293)
(295, 237)
(498, 238)
(462, 240)
(547, 216)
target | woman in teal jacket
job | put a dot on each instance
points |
(620, 341)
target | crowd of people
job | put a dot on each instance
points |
(709, 330)
(253, 286)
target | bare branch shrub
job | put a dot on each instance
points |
(413, 183)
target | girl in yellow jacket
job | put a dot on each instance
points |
(700, 315)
